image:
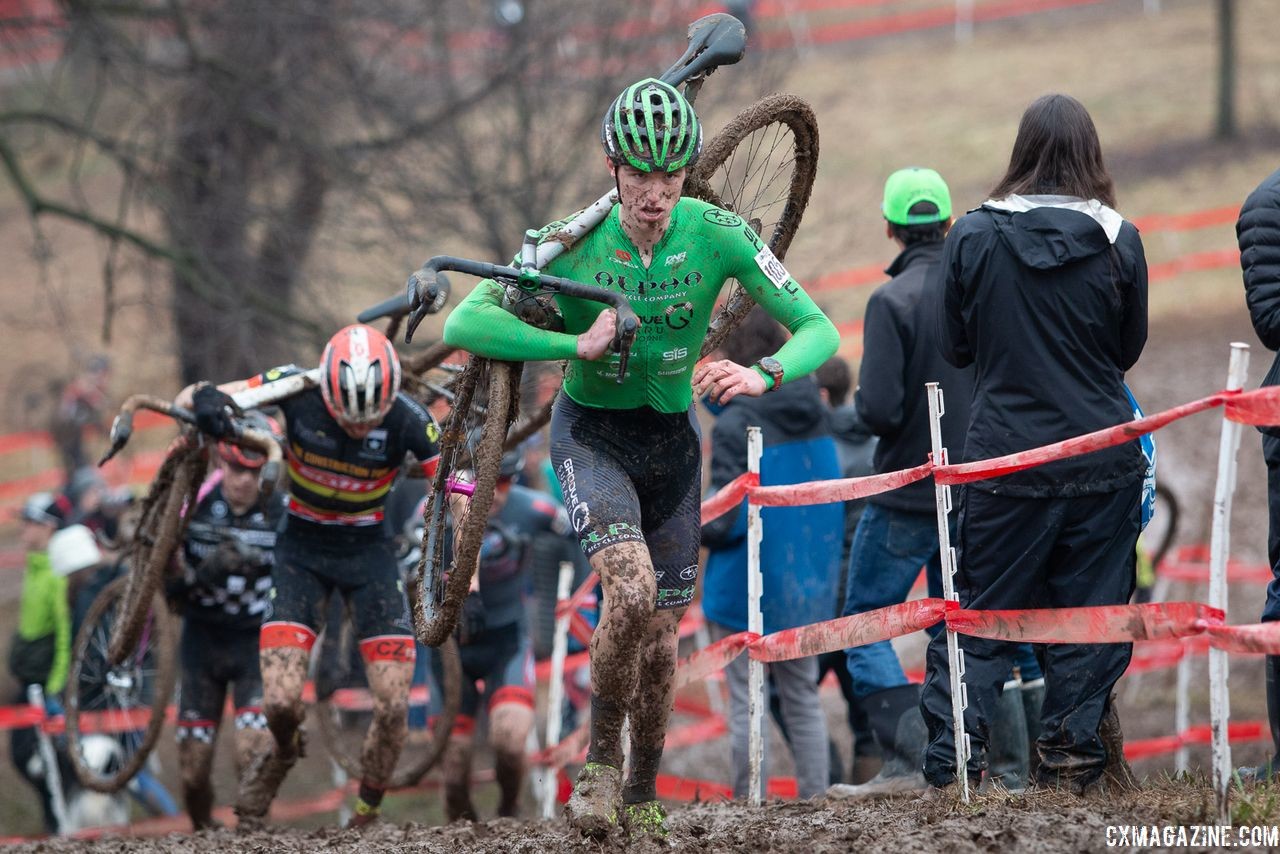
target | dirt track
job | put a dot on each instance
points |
(1041, 822)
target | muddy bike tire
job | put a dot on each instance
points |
(158, 535)
(410, 771)
(443, 581)
(143, 683)
(761, 166)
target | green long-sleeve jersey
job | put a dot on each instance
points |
(702, 248)
(44, 611)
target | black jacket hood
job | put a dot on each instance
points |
(792, 412)
(1045, 232)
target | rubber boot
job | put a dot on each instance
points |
(866, 752)
(1032, 702)
(1269, 770)
(896, 721)
(1117, 776)
(1007, 750)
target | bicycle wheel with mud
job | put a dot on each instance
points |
(124, 701)
(485, 406)
(159, 531)
(342, 728)
(762, 167)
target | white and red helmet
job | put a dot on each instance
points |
(359, 376)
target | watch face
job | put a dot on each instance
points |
(771, 365)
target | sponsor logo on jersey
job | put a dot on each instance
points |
(376, 441)
(772, 267)
(676, 260)
(675, 355)
(689, 573)
(623, 257)
(715, 216)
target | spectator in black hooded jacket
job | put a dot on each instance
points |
(1045, 293)
(1258, 231)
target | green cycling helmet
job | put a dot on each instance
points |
(652, 127)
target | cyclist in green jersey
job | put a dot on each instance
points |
(627, 454)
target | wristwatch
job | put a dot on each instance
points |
(773, 368)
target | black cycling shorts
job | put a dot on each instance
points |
(214, 655)
(633, 475)
(361, 566)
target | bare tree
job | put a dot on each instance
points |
(244, 132)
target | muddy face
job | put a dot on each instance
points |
(646, 200)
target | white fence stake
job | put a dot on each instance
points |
(1182, 710)
(755, 623)
(1219, 545)
(49, 758)
(955, 655)
(555, 688)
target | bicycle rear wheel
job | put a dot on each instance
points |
(125, 701)
(445, 570)
(158, 533)
(762, 167)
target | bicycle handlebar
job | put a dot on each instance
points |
(422, 285)
(242, 434)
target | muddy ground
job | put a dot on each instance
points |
(1039, 822)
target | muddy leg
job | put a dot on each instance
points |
(457, 778)
(195, 759)
(651, 705)
(509, 726)
(284, 670)
(389, 682)
(250, 743)
(630, 591)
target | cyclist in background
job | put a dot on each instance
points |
(224, 590)
(494, 640)
(347, 441)
(627, 454)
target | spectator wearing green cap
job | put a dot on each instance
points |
(898, 532)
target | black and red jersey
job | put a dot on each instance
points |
(337, 480)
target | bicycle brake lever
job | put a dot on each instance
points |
(622, 343)
(121, 430)
(424, 298)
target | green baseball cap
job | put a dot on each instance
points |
(906, 187)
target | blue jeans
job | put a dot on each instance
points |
(889, 547)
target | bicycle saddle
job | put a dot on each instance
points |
(714, 40)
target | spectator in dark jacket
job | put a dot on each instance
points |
(798, 555)
(898, 533)
(1045, 293)
(1258, 231)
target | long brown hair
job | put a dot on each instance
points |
(1057, 153)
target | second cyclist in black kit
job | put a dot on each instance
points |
(347, 440)
(223, 591)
